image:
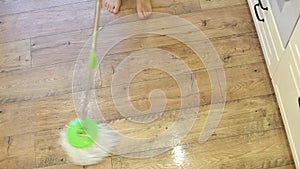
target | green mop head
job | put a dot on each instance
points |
(86, 142)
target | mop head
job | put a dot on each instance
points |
(88, 151)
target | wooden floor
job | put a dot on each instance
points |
(40, 40)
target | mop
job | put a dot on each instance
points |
(84, 141)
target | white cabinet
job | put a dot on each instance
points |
(268, 34)
(284, 68)
(286, 84)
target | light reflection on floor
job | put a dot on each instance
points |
(178, 155)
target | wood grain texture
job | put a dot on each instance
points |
(64, 166)
(52, 112)
(15, 55)
(222, 21)
(49, 154)
(253, 77)
(35, 83)
(238, 50)
(175, 7)
(59, 19)
(17, 152)
(242, 82)
(241, 117)
(66, 47)
(61, 48)
(47, 21)
(39, 82)
(17, 6)
(48, 151)
(15, 119)
(67, 18)
(286, 167)
(256, 150)
(210, 4)
(254, 114)
(232, 51)
(106, 164)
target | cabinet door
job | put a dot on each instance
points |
(267, 32)
(294, 46)
(286, 85)
(276, 49)
(258, 25)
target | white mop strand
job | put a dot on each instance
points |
(102, 146)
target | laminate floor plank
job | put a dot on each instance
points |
(15, 55)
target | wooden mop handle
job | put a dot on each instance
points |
(96, 23)
(92, 55)
(92, 58)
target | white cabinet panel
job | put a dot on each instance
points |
(295, 50)
(284, 68)
(286, 84)
(267, 33)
